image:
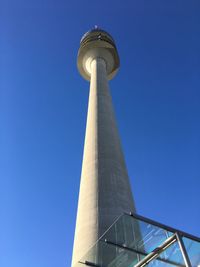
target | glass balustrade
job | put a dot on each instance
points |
(137, 241)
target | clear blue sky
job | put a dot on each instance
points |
(43, 105)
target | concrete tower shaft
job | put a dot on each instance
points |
(105, 191)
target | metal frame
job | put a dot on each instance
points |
(145, 254)
(156, 252)
(168, 228)
(176, 237)
(183, 250)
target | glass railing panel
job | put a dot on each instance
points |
(106, 255)
(193, 250)
(129, 240)
(136, 234)
(151, 236)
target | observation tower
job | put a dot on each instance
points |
(105, 191)
(108, 231)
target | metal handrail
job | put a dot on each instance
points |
(165, 227)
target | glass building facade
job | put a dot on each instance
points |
(133, 240)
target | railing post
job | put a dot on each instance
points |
(183, 250)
